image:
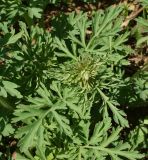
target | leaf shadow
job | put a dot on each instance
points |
(61, 26)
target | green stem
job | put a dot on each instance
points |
(4, 103)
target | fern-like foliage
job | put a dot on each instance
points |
(65, 87)
(48, 119)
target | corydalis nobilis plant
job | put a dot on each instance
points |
(66, 88)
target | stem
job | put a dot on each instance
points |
(4, 103)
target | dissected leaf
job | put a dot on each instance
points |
(10, 87)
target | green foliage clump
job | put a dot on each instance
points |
(63, 93)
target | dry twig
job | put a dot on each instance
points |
(131, 16)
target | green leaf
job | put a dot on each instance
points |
(34, 12)
(63, 123)
(3, 92)
(15, 38)
(10, 87)
(99, 131)
(8, 130)
(144, 94)
(20, 157)
(113, 137)
(142, 40)
(119, 115)
(27, 140)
